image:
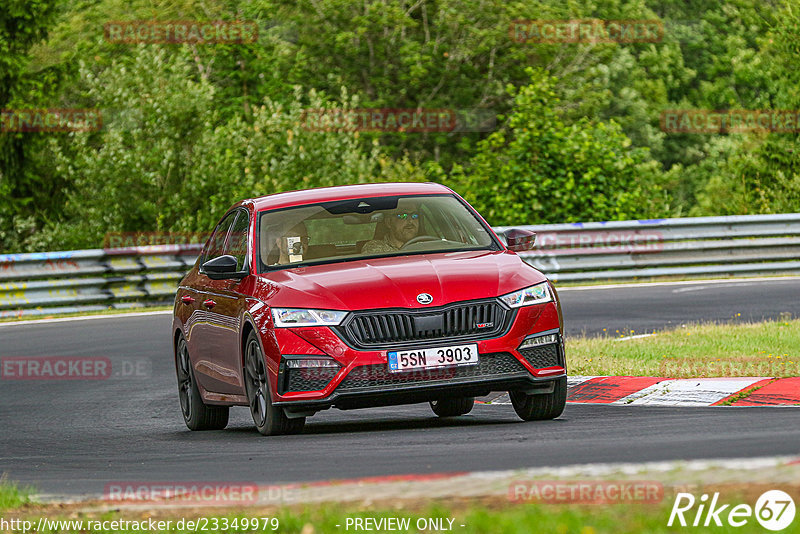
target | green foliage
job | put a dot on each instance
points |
(22, 24)
(192, 128)
(761, 172)
(13, 496)
(166, 159)
(26, 196)
(540, 169)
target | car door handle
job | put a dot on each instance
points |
(186, 299)
(209, 303)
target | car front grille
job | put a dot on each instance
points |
(543, 356)
(378, 376)
(457, 322)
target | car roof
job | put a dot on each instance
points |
(345, 192)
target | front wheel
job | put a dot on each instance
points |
(453, 407)
(270, 420)
(542, 406)
(196, 414)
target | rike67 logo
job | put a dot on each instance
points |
(774, 510)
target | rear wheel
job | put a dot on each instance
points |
(541, 406)
(452, 407)
(196, 414)
(270, 420)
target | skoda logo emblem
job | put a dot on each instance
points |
(424, 298)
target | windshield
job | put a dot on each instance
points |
(368, 227)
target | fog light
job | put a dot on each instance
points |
(310, 363)
(539, 340)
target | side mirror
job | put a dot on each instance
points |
(221, 267)
(519, 240)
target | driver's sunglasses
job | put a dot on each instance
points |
(403, 216)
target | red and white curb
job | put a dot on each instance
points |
(655, 391)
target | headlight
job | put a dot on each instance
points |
(538, 294)
(536, 341)
(301, 317)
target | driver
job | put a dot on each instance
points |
(402, 225)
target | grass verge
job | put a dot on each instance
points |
(769, 349)
(12, 496)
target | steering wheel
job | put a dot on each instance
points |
(419, 239)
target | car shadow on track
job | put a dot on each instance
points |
(335, 423)
(391, 425)
(421, 423)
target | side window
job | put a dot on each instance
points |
(216, 245)
(237, 240)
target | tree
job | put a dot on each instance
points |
(168, 160)
(540, 169)
(25, 198)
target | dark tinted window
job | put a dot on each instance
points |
(216, 245)
(237, 239)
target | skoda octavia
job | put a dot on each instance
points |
(359, 296)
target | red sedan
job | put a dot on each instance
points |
(360, 296)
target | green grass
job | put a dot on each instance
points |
(12, 496)
(109, 311)
(770, 349)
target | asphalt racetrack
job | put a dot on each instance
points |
(74, 437)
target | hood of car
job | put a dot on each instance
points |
(397, 282)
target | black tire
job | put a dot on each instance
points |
(453, 407)
(541, 407)
(196, 414)
(269, 419)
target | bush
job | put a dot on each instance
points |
(538, 169)
(166, 160)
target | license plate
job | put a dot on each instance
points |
(406, 360)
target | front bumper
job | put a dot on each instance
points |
(363, 379)
(374, 385)
(422, 392)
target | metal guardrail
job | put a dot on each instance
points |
(84, 280)
(695, 246)
(92, 280)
